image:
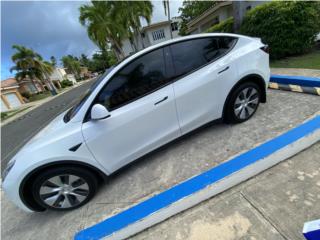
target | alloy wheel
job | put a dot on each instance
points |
(246, 103)
(64, 191)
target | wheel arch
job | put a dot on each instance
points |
(256, 78)
(26, 196)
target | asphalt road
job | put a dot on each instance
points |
(16, 133)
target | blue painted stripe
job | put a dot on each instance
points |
(296, 80)
(313, 235)
(199, 182)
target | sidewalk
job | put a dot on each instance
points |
(296, 72)
(35, 104)
(273, 205)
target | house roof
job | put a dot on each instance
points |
(207, 13)
(158, 24)
(9, 83)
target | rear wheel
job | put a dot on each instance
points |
(243, 103)
(64, 188)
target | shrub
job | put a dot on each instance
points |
(289, 28)
(26, 95)
(225, 26)
(66, 83)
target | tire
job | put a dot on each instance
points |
(243, 102)
(64, 188)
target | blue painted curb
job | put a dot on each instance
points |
(296, 80)
(196, 183)
(311, 230)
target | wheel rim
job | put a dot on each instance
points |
(64, 191)
(246, 103)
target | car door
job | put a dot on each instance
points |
(141, 102)
(202, 75)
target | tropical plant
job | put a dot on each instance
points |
(102, 26)
(53, 61)
(111, 21)
(30, 65)
(289, 28)
(191, 10)
(72, 64)
(225, 26)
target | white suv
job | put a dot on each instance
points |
(146, 101)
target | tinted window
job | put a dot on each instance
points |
(138, 78)
(190, 55)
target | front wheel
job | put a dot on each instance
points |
(243, 103)
(64, 188)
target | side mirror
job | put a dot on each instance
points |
(98, 112)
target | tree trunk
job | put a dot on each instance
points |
(51, 86)
(169, 18)
(35, 85)
(119, 50)
(237, 13)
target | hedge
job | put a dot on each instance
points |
(289, 28)
(225, 26)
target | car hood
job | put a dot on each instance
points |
(56, 130)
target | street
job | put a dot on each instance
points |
(16, 133)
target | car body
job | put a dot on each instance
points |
(146, 101)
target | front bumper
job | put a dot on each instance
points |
(11, 189)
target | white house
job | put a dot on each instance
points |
(218, 13)
(152, 34)
(59, 74)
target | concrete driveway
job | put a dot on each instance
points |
(174, 163)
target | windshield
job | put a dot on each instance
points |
(73, 110)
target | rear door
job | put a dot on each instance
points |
(201, 71)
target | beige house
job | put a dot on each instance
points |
(152, 34)
(218, 13)
(10, 96)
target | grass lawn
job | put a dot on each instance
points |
(9, 114)
(37, 97)
(309, 61)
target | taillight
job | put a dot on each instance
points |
(265, 48)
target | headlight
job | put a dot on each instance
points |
(7, 169)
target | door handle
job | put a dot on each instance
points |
(165, 98)
(225, 69)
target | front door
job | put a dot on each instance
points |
(143, 113)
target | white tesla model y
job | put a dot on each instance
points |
(146, 101)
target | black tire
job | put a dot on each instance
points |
(76, 193)
(230, 110)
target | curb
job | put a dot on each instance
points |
(301, 84)
(205, 185)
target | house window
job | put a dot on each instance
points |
(215, 21)
(158, 35)
(174, 26)
(248, 8)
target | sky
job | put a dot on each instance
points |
(51, 28)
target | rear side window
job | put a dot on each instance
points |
(193, 54)
(135, 80)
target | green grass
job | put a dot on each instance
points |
(9, 114)
(37, 97)
(309, 61)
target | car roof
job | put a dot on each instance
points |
(175, 40)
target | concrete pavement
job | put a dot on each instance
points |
(273, 205)
(174, 163)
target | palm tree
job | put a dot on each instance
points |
(131, 13)
(166, 6)
(101, 27)
(29, 64)
(72, 64)
(23, 60)
(53, 61)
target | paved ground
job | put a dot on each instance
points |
(16, 133)
(296, 72)
(176, 162)
(273, 205)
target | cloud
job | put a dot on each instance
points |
(51, 28)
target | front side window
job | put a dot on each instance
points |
(191, 55)
(138, 78)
